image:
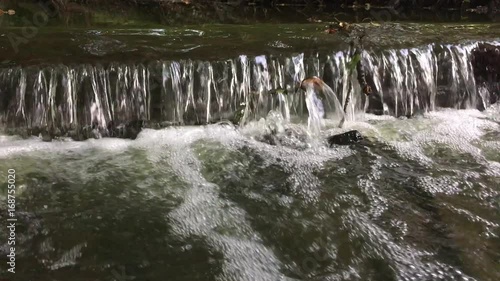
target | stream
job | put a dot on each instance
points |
(186, 195)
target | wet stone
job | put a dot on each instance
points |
(346, 138)
(128, 130)
(45, 134)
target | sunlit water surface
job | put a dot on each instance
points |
(417, 200)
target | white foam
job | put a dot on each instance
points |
(456, 130)
(225, 226)
(203, 213)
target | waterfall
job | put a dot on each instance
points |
(315, 110)
(73, 99)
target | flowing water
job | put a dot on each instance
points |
(417, 199)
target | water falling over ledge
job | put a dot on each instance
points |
(117, 100)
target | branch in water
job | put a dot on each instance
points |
(8, 12)
(354, 35)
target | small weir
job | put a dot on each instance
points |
(90, 100)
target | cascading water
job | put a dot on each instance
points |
(99, 99)
(315, 110)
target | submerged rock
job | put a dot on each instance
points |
(346, 138)
(299, 140)
(45, 135)
(128, 130)
(291, 137)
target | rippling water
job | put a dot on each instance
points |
(417, 200)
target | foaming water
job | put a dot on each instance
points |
(416, 200)
(204, 214)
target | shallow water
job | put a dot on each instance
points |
(31, 45)
(417, 200)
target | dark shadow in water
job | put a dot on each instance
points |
(296, 242)
(107, 226)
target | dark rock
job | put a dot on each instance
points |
(486, 64)
(297, 140)
(133, 128)
(128, 130)
(84, 133)
(46, 135)
(112, 129)
(346, 138)
(34, 131)
(73, 134)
